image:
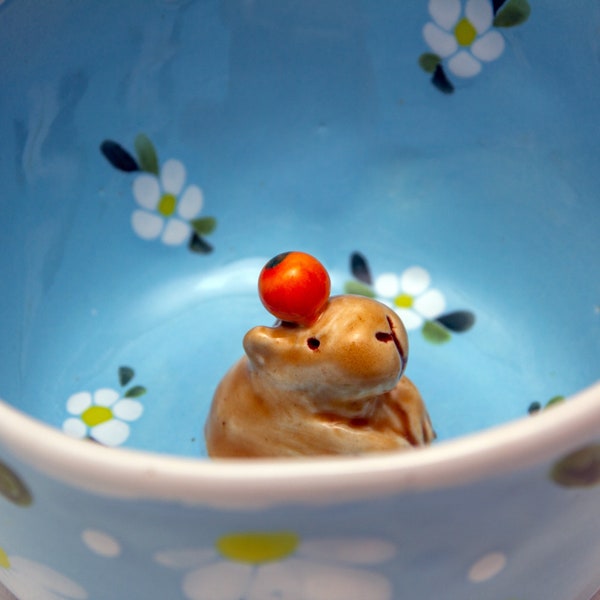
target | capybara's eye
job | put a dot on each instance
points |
(313, 343)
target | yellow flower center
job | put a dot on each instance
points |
(404, 301)
(4, 562)
(167, 204)
(464, 32)
(95, 415)
(257, 548)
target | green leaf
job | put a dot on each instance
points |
(429, 61)
(204, 225)
(135, 392)
(514, 12)
(555, 400)
(358, 288)
(126, 374)
(146, 154)
(436, 334)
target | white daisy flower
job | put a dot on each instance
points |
(166, 208)
(104, 416)
(463, 37)
(410, 296)
(257, 566)
(26, 578)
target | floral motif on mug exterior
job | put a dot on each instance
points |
(13, 488)
(259, 565)
(30, 580)
(579, 469)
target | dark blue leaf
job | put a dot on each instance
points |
(118, 157)
(458, 321)
(199, 245)
(441, 82)
(497, 5)
(360, 268)
(126, 374)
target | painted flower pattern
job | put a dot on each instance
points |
(13, 488)
(104, 416)
(167, 209)
(27, 579)
(463, 36)
(580, 469)
(410, 295)
(265, 565)
(166, 206)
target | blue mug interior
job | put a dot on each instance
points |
(156, 154)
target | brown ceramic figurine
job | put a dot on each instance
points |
(326, 379)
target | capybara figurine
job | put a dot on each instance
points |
(331, 385)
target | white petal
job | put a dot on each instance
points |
(414, 281)
(75, 428)
(77, 403)
(441, 42)
(410, 318)
(489, 46)
(101, 543)
(146, 191)
(176, 232)
(190, 203)
(172, 176)
(147, 225)
(223, 581)
(364, 551)
(445, 12)
(111, 433)
(106, 397)
(186, 558)
(464, 65)
(480, 13)
(431, 304)
(42, 581)
(128, 410)
(487, 567)
(387, 285)
(297, 579)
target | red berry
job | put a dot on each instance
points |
(294, 287)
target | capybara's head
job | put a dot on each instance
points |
(356, 348)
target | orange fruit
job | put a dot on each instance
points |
(294, 287)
